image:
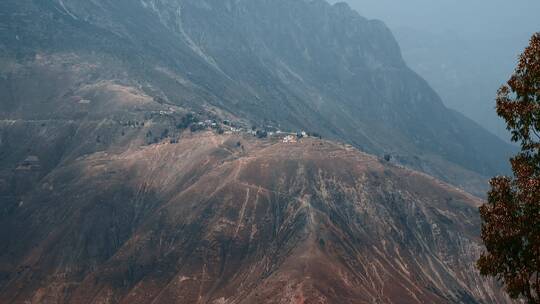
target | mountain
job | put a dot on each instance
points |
(461, 69)
(129, 171)
(233, 219)
(465, 51)
(293, 64)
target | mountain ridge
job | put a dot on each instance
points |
(317, 67)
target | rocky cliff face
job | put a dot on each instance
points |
(231, 219)
(291, 63)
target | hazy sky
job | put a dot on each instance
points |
(468, 16)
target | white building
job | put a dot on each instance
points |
(289, 139)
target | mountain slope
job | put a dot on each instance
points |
(209, 220)
(110, 192)
(291, 63)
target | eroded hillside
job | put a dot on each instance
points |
(129, 171)
(231, 219)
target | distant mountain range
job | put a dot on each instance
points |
(129, 172)
(466, 71)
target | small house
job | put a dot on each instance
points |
(289, 139)
(29, 163)
(31, 160)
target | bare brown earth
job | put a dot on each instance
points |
(224, 219)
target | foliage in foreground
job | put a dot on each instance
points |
(511, 217)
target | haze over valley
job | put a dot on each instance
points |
(465, 49)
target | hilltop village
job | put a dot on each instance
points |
(198, 122)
